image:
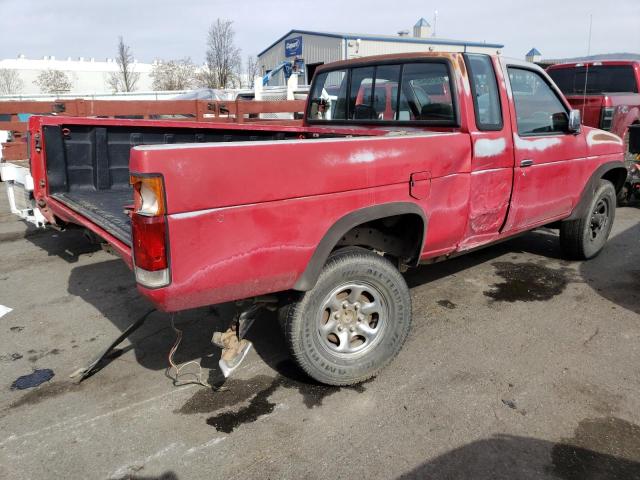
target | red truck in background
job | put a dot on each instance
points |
(324, 217)
(608, 95)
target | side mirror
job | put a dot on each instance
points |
(574, 121)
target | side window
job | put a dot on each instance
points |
(484, 88)
(426, 93)
(360, 98)
(328, 100)
(538, 109)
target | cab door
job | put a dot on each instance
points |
(545, 152)
(492, 160)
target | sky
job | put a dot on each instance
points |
(176, 29)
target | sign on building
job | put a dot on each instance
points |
(293, 47)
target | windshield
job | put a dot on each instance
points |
(599, 79)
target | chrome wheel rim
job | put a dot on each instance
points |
(352, 319)
(599, 219)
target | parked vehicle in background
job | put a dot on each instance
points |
(608, 95)
(401, 160)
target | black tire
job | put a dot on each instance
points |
(585, 237)
(304, 320)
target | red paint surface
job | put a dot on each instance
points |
(245, 218)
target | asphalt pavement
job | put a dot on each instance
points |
(519, 365)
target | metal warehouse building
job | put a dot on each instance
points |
(316, 48)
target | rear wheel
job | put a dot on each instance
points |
(585, 237)
(353, 322)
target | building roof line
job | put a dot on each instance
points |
(382, 38)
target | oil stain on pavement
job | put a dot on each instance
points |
(258, 406)
(448, 304)
(257, 390)
(600, 448)
(46, 391)
(527, 282)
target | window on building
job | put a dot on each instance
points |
(486, 96)
(539, 111)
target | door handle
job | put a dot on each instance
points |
(526, 163)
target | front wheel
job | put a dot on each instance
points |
(353, 322)
(585, 237)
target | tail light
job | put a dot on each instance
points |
(149, 232)
(606, 117)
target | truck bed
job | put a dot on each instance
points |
(87, 164)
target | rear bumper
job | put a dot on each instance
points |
(20, 192)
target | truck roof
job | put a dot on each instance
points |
(455, 58)
(387, 58)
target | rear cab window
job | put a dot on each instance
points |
(417, 92)
(594, 79)
(329, 98)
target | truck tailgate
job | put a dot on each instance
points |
(590, 106)
(104, 208)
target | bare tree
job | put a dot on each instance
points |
(126, 78)
(251, 70)
(53, 81)
(173, 74)
(10, 82)
(223, 63)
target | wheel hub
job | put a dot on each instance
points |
(599, 219)
(351, 319)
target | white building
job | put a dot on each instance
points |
(316, 48)
(87, 75)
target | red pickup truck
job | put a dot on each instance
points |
(608, 95)
(325, 216)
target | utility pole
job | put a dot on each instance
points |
(435, 22)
